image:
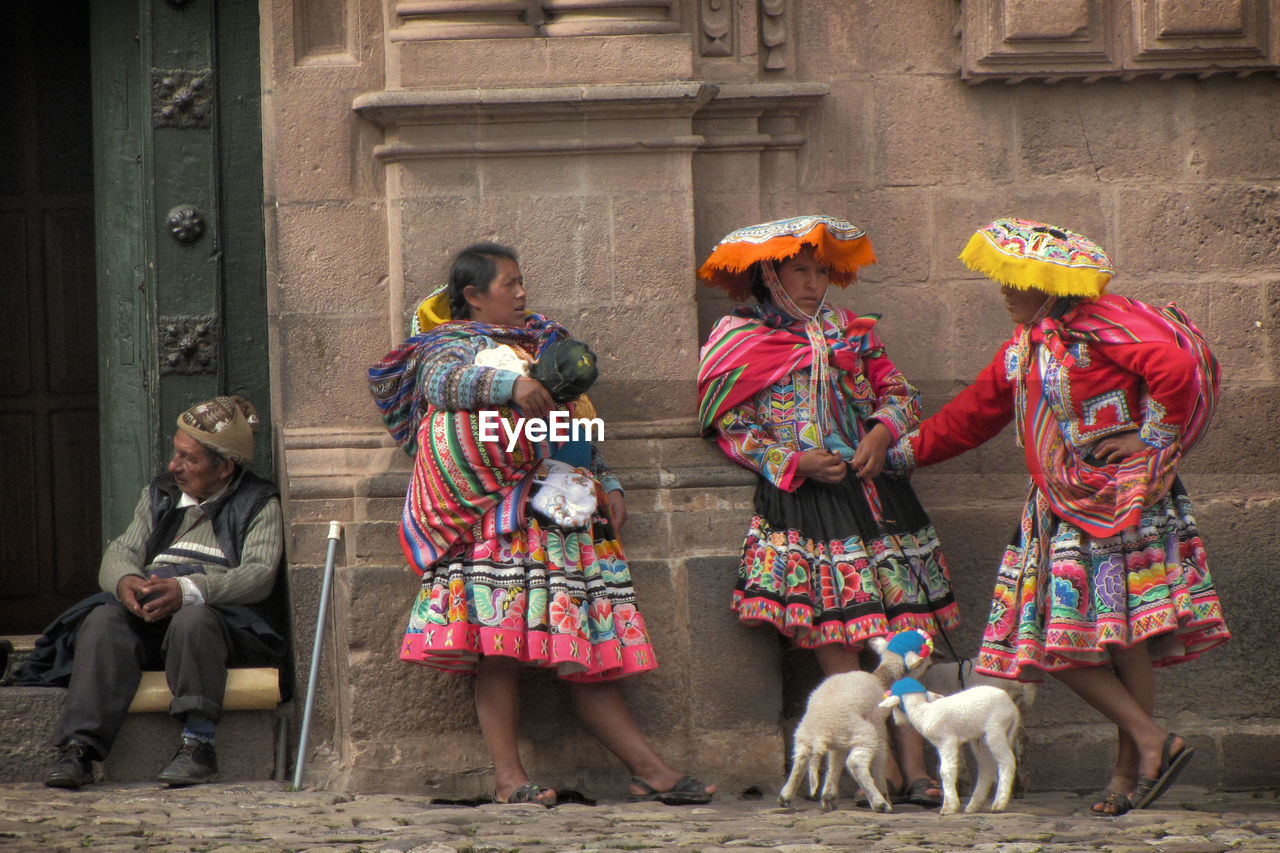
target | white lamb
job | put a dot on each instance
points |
(843, 717)
(982, 716)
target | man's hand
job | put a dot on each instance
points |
(617, 509)
(167, 601)
(868, 459)
(128, 590)
(822, 465)
(1114, 449)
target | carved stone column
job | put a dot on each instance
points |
(606, 18)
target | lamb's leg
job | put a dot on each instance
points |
(1002, 751)
(986, 775)
(948, 767)
(831, 782)
(859, 765)
(802, 755)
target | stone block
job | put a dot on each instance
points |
(544, 61)
(320, 152)
(1250, 760)
(840, 154)
(332, 256)
(1103, 133)
(1235, 143)
(715, 532)
(328, 356)
(1239, 325)
(1219, 228)
(930, 130)
(354, 56)
(1078, 758)
(377, 542)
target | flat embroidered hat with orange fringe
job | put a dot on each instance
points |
(845, 247)
(1026, 254)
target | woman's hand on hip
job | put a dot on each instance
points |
(1116, 448)
(532, 397)
(822, 465)
(868, 459)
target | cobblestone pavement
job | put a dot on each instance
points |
(266, 816)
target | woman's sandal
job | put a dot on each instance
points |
(1148, 790)
(529, 792)
(688, 791)
(1113, 804)
(917, 793)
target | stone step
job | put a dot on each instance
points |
(247, 740)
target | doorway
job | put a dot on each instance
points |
(50, 486)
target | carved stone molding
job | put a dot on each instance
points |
(773, 33)
(425, 20)
(606, 18)
(716, 22)
(188, 344)
(434, 123)
(1015, 40)
(444, 123)
(180, 97)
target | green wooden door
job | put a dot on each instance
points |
(178, 204)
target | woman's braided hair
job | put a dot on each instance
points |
(475, 266)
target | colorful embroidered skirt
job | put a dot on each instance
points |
(1062, 597)
(819, 567)
(559, 599)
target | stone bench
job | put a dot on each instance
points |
(252, 734)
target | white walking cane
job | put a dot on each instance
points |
(335, 533)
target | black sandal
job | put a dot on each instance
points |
(688, 791)
(529, 793)
(1148, 790)
(1118, 802)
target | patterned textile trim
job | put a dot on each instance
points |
(901, 455)
(897, 420)
(795, 622)
(1062, 597)
(554, 598)
(843, 590)
(456, 648)
(1155, 431)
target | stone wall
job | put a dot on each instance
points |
(612, 144)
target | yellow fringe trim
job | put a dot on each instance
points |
(434, 310)
(981, 255)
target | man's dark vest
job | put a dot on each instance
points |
(230, 514)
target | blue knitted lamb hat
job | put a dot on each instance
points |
(911, 640)
(905, 686)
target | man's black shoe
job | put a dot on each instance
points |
(195, 762)
(73, 769)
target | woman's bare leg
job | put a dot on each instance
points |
(498, 707)
(1106, 690)
(602, 709)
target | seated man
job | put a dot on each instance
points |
(205, 541)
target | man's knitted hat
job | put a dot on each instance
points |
(225, 424)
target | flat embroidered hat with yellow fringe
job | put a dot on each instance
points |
(1026, 254)
(843, 246)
